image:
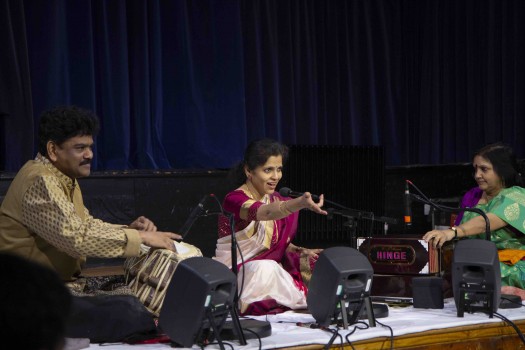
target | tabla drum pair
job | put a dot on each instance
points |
(150, 273)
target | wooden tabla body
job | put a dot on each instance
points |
(151, 273)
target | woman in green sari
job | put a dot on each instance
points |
(501, 196)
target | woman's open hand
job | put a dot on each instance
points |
(308, 203)
(438, 237)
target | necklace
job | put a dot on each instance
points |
(252, 196)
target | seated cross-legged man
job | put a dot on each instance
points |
(43, 217)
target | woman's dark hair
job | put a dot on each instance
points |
(257, 154)
(504, 162)
(62, 123)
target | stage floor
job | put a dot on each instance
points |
(412, 329)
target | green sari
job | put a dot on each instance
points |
(508, 205)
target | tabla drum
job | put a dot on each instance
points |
(150, 273)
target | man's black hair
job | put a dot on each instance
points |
(62, 123)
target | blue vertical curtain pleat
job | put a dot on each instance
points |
(16, 106)
(187, 84)
(203, 87)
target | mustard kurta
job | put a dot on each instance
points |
(43, 218)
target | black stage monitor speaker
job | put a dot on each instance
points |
(342, 275)
(476, 276)
(200, 293)
(427, 292)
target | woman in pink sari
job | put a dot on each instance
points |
(275, 272)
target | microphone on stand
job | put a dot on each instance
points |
(234, 328)
(408, 206)
(195, 213)
(286, 192)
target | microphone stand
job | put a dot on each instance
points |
(235, 314)
(373, 310)
(352, 215)
(198, 212)
(454, 210)
(257, 328)
(462, 304)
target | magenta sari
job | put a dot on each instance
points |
(278, 235)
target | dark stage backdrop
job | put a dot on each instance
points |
(187, 83)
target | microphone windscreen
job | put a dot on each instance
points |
(285, 192)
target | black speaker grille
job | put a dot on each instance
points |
(352, 176)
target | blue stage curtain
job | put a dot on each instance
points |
(188, 83)
(16, 110)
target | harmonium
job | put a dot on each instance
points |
(396, 259)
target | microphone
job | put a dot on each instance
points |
(408, 210)
(195, 213)
(286, 192)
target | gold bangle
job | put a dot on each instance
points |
(283, 208)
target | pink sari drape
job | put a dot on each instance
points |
(282, 233)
